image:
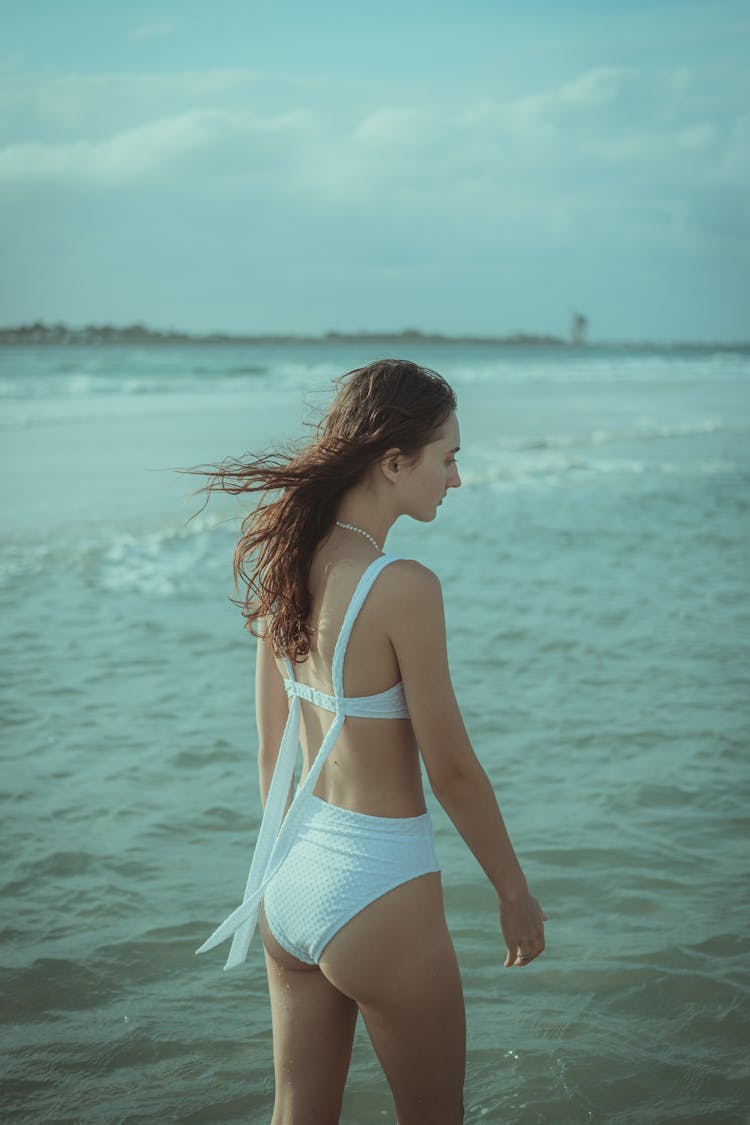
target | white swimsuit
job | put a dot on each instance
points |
(319, 865)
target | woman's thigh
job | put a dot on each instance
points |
(313, 1029)
(396, 960)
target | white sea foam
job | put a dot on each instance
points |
(164, 562)
(79, 372)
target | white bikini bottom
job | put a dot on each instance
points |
(340, 862)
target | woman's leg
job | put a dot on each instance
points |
(396, 959)
(313, 1030)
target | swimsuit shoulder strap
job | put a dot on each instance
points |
(358, 597)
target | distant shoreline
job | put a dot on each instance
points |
(95, 335)
(41, 333)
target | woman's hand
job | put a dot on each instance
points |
(522, 923)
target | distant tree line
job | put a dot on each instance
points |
(42, 333)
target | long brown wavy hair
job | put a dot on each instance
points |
(389, 404)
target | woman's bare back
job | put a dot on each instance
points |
(374, 766)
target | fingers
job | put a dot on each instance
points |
(521, 957)
(525, 951)
(524, 936)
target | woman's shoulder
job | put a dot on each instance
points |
(405, 579)
(411, 609)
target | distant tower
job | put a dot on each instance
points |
(578, 326)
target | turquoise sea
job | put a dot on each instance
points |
(595, 569)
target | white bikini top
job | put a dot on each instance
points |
(389, 704)
(276, 830)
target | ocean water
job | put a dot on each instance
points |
(595, 570)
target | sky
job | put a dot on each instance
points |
(481, 167)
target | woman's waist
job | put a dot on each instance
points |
(324, 816)
(388, 785)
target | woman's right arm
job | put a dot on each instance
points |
(417, 631)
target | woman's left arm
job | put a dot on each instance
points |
(271, 711)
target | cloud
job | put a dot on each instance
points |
(128, 155)
(155, 147)
(95, 106)
(147, 32)
(595, 87)
(733, 164)
(609, 153)
(390, 128)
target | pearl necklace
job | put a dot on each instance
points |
(351, 527)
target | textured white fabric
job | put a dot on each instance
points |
(277, 832)
(389, 704)
(340, 862)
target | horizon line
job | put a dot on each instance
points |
(139, 332)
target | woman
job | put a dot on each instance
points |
(344, 875)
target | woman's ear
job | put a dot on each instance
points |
(390, 464)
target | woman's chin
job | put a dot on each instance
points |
(426, 514)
